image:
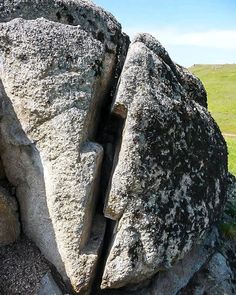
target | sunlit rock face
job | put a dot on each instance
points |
(168, 185)
(55, 76)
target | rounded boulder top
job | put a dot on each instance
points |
(92, 18)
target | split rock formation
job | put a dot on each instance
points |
(118, 167)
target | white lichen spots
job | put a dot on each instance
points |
(167, 152)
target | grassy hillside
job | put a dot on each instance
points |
(220, 83)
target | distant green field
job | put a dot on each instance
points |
(231, 142)
(220, 83)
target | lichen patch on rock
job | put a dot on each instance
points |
(119, 169)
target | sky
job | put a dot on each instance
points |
(193, 31)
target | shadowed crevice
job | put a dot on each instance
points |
(109, 136)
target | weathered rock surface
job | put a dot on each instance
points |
(214, 279)
(174, 280)
(57, 65)
(170, 282)
(9, 219)
(49, 286)
(169, 184)
(82, 13)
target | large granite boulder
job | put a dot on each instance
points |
(169, 182)
(58, 60)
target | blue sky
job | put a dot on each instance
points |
(193, 31)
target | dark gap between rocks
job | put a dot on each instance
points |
(109, 136)
(10, 188)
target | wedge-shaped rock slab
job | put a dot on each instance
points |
(55, 75)
(168, 185)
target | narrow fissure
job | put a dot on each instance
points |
(10, 188)
(109, 136)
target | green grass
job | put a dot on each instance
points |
(227, 226)
(220, 83)
(228, 229)
(231, 142)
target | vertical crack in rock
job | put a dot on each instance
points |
(109, 136)
(59, 67)
(51, 99)
(9, 210)
(169, 185)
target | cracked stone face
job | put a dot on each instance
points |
(48, 82)
(54, 78)
(168, 185)
(59, 61)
